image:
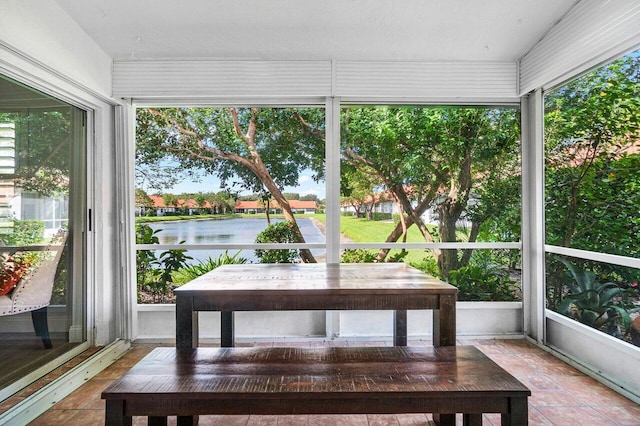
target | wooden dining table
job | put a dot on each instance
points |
(358, 286)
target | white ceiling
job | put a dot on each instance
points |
(377, 30)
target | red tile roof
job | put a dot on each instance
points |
(295, 204)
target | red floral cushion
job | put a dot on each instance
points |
(10, 274)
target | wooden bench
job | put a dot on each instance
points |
(279, 381)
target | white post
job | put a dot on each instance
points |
(533, 254)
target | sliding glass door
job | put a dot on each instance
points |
(42, 205)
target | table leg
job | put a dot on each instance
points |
(400, 328)
(114, 413)
(472, 419)
(188, 420)
(186, 323)
(518, 413)
(226, 329)
(444, 419)
(444, 322)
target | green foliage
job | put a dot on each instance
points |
(191, 272)
(483, 282)
(592, 189)
(285, 145)
(427, 265)
(381, 216)
(279, 232)
(598, 305)
(370, 256)
(606, 198)
(358, 256)
(437, 157)
(43, 145)
(24, 233)
(172, 261)
(590, 183)
(153, 273)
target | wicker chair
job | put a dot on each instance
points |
(33, 291)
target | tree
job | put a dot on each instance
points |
(170, 200)
(589, 123)
(593, 170)
(432, 157)
(291, 195)
(266, 149)
(310, 197)
(143, 200)
(42, 149)
(200, 199)
(358, 187)
(221, 202)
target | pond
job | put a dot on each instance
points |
(228, 231)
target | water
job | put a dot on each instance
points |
(228, 231)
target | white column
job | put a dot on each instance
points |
(533, 261)
(332, 161)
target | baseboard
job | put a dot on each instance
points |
(29, 409)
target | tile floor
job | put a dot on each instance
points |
(561, 395)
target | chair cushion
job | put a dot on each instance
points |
(10, 273)
(6, 305)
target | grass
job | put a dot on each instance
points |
(366, 231)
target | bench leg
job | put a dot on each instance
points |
(472, 419)
(39, 318)
(444, 419)
(114, 414)
(226, 329)
(188, 420)
(400, 328)
(519, 413)
(444, 322)
(157, 421)
(186, 323)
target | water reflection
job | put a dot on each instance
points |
(228, 231)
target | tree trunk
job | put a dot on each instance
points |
(267, 211)
(271, 186)
(409, 220)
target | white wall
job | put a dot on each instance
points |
(41, 30)
(156, 323)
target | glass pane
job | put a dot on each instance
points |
(431, 174)
(42, 310)
(592, 143)
(226, 176)
(597, 294)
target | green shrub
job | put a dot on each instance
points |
(154, 274)
(483, 283)
(427, 265)
(191, 272)
(381, 216)
(603, 306)
(280, 232)
(358, 256)
(24, 233)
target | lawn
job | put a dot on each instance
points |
(366, 231)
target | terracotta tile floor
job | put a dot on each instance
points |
(561, 395)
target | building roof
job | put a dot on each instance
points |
(295, 204)
(190, 203)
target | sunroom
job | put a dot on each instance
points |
(492, 144)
